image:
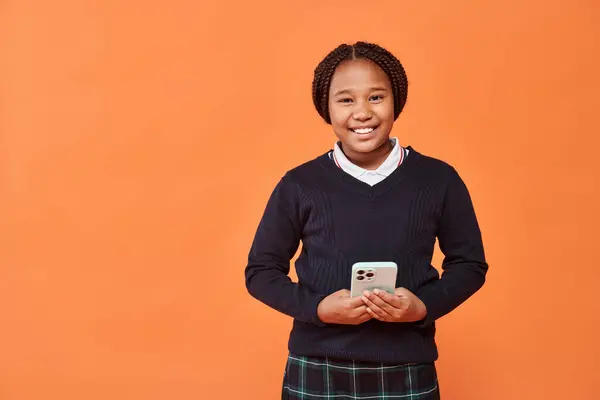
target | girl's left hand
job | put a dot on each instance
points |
(402, 306)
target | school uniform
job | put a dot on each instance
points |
(344, 214)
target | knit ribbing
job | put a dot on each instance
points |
(340, 221)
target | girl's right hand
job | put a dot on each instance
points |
(340, 308)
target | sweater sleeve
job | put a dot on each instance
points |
(275, 243)
(464, 267)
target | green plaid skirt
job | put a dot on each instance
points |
(326, 378)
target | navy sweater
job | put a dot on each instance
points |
(340, 221)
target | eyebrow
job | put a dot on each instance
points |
(373, 89)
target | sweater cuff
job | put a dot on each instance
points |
(314, 317)
(430, 299)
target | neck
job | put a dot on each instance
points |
(371, 160)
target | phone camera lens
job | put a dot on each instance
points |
(360, 272)
(370, 274)
(360, 277)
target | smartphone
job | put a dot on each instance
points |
(373, 275)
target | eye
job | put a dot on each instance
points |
(376, 97)
(345, 101)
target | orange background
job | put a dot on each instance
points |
(140, 141)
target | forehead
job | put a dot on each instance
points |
(360, 74)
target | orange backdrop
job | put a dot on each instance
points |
(140, 141)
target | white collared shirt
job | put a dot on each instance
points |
(371, 177)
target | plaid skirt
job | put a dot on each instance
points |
(325, 378)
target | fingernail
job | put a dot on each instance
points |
(376, 291)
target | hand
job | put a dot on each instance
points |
(340, 308)
(402, 306)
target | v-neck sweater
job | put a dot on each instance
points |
(341, 220)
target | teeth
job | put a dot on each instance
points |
(364, 130)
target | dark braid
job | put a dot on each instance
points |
(380, 56)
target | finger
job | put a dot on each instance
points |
(355, 302)
(397, 301)
(380, 312)
(380, 302)
(385, 296)
(360, 316)
(395, 311)
(375, 315)
(364, 318)
(357, 312)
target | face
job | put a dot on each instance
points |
(361, 107)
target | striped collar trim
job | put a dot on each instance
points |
(393, 161)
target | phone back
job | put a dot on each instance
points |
(373, 275)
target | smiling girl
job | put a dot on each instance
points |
(368, 199)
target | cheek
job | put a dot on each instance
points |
(386, 113)
(339, 128)
(339, 117)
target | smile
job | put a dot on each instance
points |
(363, 131)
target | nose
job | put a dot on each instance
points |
(362, 112)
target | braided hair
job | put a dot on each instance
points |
(380, 56)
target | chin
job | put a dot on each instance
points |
(367, 146)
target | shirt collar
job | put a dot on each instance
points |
(385, 169)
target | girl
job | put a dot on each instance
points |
(368, 199)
